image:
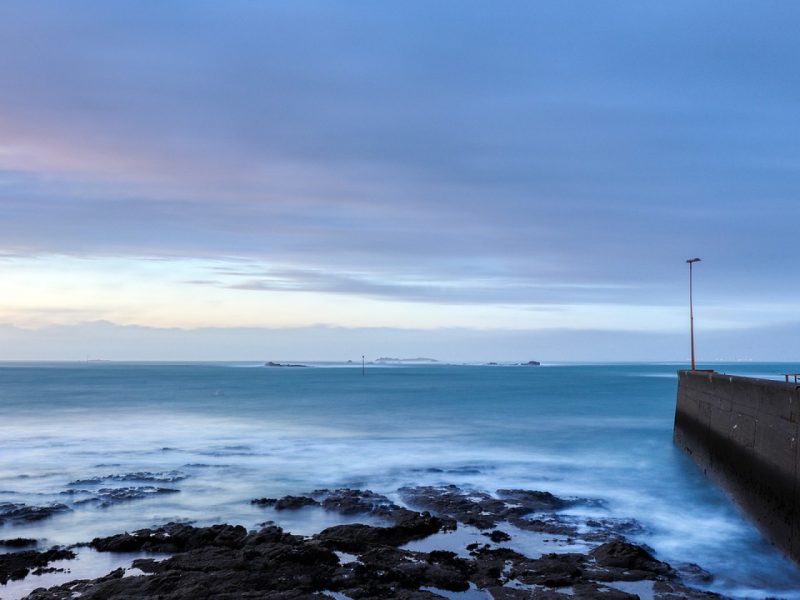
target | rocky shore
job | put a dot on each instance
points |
(378, 561)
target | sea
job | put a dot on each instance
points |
(222, 434)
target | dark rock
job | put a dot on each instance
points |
(44, 570)
(353, 502)
(226, 562)
(17, 565)
(607, 528)
(471, 508)
(623, 555)
(138, 476)
(294, 502)
(18, 543)
(694, 573)
(385, 567)
(551, 524)
(14, 513)
(109, 496)
(551, 570)
(286, 503)
(173, 537)
(592, 591)
(465, 470)
(486, 552)
(498, 536)
(535, 501)
(358, 537)
(671, 590)
(479, 508)
(264, 501)
(507, 593)
(344, 501)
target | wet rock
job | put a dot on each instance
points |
(173, 537)
(344, 501)
(286, 503)
(109, 496)
(17, 565)
(294, 502)
(491, 564)
(535, 501)
(18, 543)
(353, 502)
(694, 573)
(551, 524)
(551, 570)
(498, 536)
(264, 501)
(138, 476)
(480, 509)
(672, 590)
(15, 513)
(45, 570)
(507, 593)
(358, 537)
(465, 470)
(73, 492)
(227, 562)
(618, 554)
(390, 567)
(592, 591)
(607, 528)
(220, 562)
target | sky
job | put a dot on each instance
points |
(476, 180)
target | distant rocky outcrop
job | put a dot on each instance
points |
(277, 364)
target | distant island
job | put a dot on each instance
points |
(530, 363)
(385, 359)
(275, 364)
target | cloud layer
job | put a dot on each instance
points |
(429, 153)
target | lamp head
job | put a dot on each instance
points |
(693, 260)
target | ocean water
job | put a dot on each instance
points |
(223, 434)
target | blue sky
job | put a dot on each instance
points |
(376, 173)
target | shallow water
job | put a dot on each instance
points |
(225, 433)
(87, 564)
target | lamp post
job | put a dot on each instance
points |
(691, 262)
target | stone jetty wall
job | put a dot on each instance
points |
(743, 433)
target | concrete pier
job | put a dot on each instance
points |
(743, 433)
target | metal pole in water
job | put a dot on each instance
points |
(363, 372)
(691, 261)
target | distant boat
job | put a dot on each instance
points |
(531, 363)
